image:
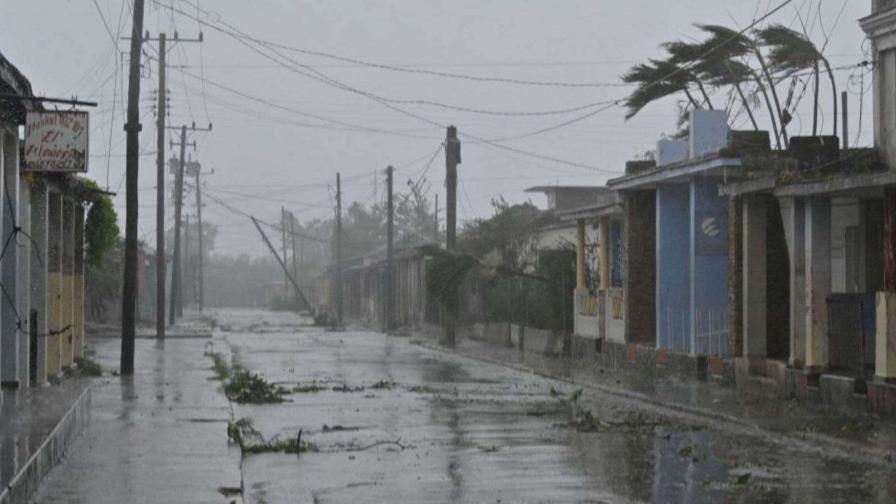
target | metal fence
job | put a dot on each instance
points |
(851, 327)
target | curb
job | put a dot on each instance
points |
(27, 481)
(805, 440)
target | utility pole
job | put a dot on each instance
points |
(132, 128)
(187, 264)
(177, 305)
(452, 159)
(201, 271)
(339, 287)
(160, 191)
(285, 257)
(175, 257)
(435, 222)
(389, 266)
(292, 232)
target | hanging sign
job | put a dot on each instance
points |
(56, 141)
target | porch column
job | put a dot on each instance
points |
(885, 342)
(818, 279)
(9, 323)
(793, 216)
(23, 282)
(603, 252)
(39, 261)
(580, 254)
(54, 284)
(754, 276)
(78, 281)
(66, 306)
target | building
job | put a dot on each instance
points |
(689, 240)
(42, 260)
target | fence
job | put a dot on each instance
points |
(851, 330)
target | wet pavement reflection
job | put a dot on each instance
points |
(410, 424)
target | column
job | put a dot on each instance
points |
(603, 252)
(23, 282)
(818, 279)
(9, 321)
(78, 281)
(580, 255)
(754, 276)
(67, 287)
(54, 283)
(39, 262)
(793, 216)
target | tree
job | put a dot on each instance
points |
(791, 52)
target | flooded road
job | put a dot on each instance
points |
(389, 420)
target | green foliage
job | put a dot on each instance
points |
(505, 234)
(445, 274)
(244, 433)
(246, 387)
(88, 367)
(101, 228)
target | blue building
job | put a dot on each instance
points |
(691, 310)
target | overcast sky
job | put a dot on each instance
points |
(280, 137)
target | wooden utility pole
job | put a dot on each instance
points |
(132, 160)
(201, 271)
(188, 265)
(160, 191)
(435, 222)
(339, 287)
(289, 277)
(177, 304)
(292, 232)
(452, 159)
(390, 223)
(175, 256)
(285, 256)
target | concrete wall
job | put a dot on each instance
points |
(615, 315)
(54, 284)
(38, 282)
(673, 280)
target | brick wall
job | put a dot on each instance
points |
(640, 267)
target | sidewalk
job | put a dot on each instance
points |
(855, 435)
(159, 436)
(37, 425)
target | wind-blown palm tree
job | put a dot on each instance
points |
(656, 79)
(791, 52)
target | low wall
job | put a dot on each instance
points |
(26, 482)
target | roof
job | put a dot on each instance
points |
(12, 81)
(668, 173)
(546, 188)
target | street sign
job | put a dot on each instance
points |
(56, 141)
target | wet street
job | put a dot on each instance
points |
(392, 419)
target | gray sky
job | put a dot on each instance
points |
(280, 157)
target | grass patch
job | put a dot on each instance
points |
(246, 387)
(219, 366)
(244, 433)
(242, 386)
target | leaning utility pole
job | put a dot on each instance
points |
(160, 192)
(285, 256)
(292, 232)
(389, 266)
(188, 266)
(452, 159)
(339, 248)
(132, 160)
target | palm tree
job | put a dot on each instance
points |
(737, 45)
(656, 79)
(791, 52)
